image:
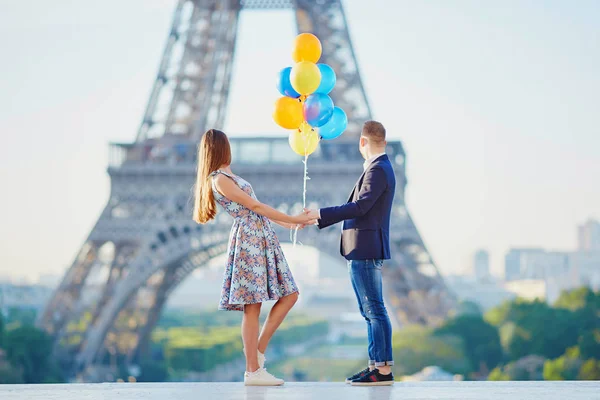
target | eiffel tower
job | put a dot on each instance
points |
(145, 243)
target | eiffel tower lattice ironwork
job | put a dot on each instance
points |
(145, 243)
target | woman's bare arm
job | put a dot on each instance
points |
(292, 226)
(228, 188)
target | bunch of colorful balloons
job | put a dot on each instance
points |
(306, 106)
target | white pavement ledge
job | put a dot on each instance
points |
(572, 390)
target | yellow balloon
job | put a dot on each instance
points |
(304, 140)
(305, 77)
(288, 113)
(307, 47)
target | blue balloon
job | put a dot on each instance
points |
(284, 85)
(318, 108)
(336, 126)
(328, 79)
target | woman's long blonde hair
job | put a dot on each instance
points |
(213, 152)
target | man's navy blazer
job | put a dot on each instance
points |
(366, 215)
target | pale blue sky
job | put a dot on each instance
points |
(497, 104)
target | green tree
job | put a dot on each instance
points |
(10, 374)
(499, 314)
(528, 368)
(563, 368)
(589, 344)
(515, 340)
(153, 371)
(29, 349)
(418, 348)
(2, 331)
(468, 308)
(524, 328)
(481, 342)
(590, 371)
(498, 375)
(20, 316)
(577, 299)
(585, 304)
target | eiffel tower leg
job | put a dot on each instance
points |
(192, 86)
(83, 292)
(64, 299)
(415, 289)
(138, 283)
(160, 293)
(162, 80)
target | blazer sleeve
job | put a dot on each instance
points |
(373, 186)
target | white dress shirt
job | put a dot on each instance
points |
(370, 160)
(366, 164)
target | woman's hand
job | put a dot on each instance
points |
(304, 219)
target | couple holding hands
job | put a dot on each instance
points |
(257, 270)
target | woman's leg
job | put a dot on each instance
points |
(250, 327)
(275, 318)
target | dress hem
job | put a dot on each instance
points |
(238, 305)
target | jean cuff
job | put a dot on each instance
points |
(384, 363)
(371, 363)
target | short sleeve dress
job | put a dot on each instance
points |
(256, 269)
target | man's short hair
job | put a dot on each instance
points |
(374, 131)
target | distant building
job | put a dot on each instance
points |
(589, 236)
(518, 261)
(586, 265)
(535, 264)
(23, 296)
(546, 265)
(530, 289)
(556, 269)
(487, 294)
(481, 265)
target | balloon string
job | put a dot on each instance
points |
(306, 178)
(294, 232)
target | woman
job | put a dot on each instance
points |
(256, 268)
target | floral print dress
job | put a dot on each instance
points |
(256, 269)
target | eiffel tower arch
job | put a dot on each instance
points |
(144, 243)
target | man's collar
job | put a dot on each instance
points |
(371, 159)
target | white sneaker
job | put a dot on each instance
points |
(261, 377)
(261, 358)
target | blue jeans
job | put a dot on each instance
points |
(366, 281)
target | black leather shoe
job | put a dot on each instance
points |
(374, 378)
(358, 375)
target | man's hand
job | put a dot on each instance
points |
(313, 214)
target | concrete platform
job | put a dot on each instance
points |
(307, 391)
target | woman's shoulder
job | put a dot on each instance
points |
(222, 176)
(219, 174)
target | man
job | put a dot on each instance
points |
(365, 244)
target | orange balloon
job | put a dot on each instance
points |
(307, 47)
(288, 113)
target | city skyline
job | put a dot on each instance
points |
(498, 123)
